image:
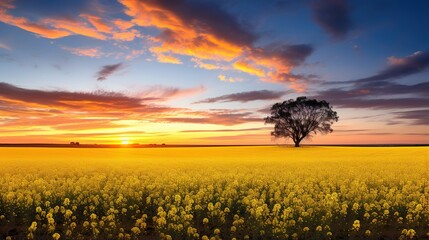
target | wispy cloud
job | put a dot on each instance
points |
(163, 93)
(378, 95)
(108, 70)
(199, 63)
(163, 58)
(333, 16)
(247, 67)
(417, 117)
(217, 117)
(75, 27)
(5, 46)
(401, 67)
(224, 78)
(65, 99)
(87, 52)
(39, 29)
(227, 130)
(246, 96)
(84, 24)
(98, 23)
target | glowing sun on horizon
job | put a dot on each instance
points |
(125, 141)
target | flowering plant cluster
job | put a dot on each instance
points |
(290, 198)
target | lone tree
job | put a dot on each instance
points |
(298, 119)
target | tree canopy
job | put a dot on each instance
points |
(298, 119)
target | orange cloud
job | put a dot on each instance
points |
(98, 23)
(178, 37)
(75, 27)
(57, 27)
(201, 64)
(224, 78)
(38, 29)
(221, 77)
(217, 38)
(249, 68)
(126, 36)
(52, 28)
(122, 24)
(88, 52)
(168, 59)
(161, 57)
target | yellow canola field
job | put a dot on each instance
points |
(214, 193)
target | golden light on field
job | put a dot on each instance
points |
(215, 192)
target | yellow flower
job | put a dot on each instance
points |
(56, 236)
(136, 230)
(68, 213)
(356, 225)
(38, 209)
(32, 227)
(411, 233)
(85, 224)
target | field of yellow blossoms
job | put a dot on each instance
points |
(215, 193)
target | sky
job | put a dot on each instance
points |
(208, 71)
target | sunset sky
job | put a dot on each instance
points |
(207, 71)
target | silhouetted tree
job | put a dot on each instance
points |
(298, 119)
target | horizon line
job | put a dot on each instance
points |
(163, 145)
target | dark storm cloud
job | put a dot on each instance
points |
(246, 96)
(333, 16)
(108, 70)
(401, 67)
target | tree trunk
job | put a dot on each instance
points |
(297, 143)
